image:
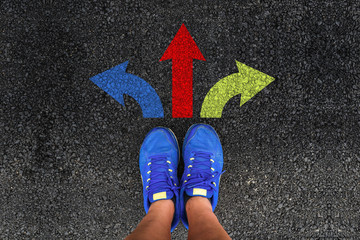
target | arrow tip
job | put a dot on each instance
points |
(122, 67)
(107, 81)
(182, 46)
(254, 80)
(239, 65)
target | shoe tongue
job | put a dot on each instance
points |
(169, 194)
(198, 191)
(202, 159)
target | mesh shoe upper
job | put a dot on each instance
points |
(159, 157)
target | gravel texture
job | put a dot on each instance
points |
(69, 152)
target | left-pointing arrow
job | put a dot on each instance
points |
(117, 82)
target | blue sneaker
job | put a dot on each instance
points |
(203, 158)
(159, 158)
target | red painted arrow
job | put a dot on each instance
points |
(182, 50)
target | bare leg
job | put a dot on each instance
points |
(203, 223)
(157, 222)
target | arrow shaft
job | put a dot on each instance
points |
(218, 96)
(182, 88)
(145, 96)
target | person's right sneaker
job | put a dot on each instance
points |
(203, 160)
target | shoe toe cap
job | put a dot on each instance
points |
(159, 141)
(204, 139)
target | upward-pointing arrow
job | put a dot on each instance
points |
(117, 82)
(182, 50)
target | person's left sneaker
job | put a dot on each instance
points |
(203, 160)
(159, 158)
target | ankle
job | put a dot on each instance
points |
(198, 203)
(165, 206)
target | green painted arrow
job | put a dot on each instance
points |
(247, 82)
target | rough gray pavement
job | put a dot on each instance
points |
(69, 152)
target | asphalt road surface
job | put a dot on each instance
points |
(69, 151)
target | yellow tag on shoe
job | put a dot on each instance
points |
(199, 191)
(160, 195)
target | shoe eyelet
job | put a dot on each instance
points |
(188, 175)
(189, 166)
(148, 180)
(212, 169)
(168, 162)
(149, 172)
(170, 170)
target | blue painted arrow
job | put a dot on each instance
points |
(117, 82)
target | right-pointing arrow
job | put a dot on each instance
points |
(247, 82)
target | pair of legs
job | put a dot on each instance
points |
(203, 223)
